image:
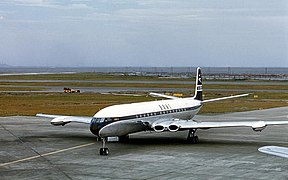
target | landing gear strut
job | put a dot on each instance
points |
(191, 138)
(104, 151)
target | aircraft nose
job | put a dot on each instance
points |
(94, 129)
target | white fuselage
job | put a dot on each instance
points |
(182, 108)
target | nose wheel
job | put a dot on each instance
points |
(104, 151)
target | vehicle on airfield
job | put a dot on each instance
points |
(172, 114)
(69, 90)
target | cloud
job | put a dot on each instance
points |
(31, 1)
(137, 30)
(79, 6)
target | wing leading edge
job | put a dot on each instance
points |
(62, 120)
(175, 125)
(275, 150)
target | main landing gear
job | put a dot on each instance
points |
(191, 138)
(104, 151)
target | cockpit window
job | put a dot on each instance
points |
(97, 120)
(101, 120)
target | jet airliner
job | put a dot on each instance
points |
(172, 114)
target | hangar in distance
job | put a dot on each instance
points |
(172, 114)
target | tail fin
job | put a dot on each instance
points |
(198, 86)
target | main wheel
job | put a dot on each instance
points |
(196, 139)
(101, 151)
(193, 140)
(106, 151)
(189, 139)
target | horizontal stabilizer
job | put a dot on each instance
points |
(228, 97)
(162, 95)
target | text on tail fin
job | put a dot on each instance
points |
(198, 85)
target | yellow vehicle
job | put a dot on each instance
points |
(69, 90)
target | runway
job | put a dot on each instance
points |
(31, 148)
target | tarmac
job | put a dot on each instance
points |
(31, 148)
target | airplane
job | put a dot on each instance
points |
(171, 114)
(275, 150)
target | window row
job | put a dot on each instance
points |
(161, 113)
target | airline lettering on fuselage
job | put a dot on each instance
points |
(165, 106)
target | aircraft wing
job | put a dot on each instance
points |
(62, 120)
(175, 125)
(223, 98)
(204, 125)
(275, 150)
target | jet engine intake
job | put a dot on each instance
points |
(173, 127)
(159, 128)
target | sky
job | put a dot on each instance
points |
(220, 33)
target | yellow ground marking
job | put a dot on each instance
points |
(46, 154)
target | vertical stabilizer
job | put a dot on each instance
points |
(198, 85)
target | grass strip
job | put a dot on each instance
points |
(87, 104)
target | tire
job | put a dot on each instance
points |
(101, 151)
(196, 140)
(106, 151)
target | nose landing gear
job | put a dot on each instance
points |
(104, 151)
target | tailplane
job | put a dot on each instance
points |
(198, 86)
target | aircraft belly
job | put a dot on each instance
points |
(122, 129)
